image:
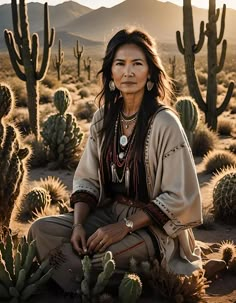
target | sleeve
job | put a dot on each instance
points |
(179, 196)
(86, 177)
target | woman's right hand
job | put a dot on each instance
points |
(78, 240)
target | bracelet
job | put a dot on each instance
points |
(76, 225)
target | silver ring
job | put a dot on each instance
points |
(101, 243)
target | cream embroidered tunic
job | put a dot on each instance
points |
(171, 181)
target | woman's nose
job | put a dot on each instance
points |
(128, 71)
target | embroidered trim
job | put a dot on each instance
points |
(127, 249)
(80, 196)
(174, 149)
(156, 214)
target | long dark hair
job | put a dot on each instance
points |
(160, 94)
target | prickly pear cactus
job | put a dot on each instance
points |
(61, 133)
(224, 197)
(189, 116)
(20, 274)
(130, 288)
(14, 156)
(36, 199)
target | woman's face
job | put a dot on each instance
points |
(130, 69)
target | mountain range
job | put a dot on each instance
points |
(73, 21)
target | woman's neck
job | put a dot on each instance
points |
(131, 104)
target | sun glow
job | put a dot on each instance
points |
(205, 3)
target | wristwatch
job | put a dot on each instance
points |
(129, 224)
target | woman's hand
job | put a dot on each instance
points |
(105, 236)
(78, 240)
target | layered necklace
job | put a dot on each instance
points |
(122, 149)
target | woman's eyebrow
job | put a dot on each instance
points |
(122, 60)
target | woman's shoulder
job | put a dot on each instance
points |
(166, 116)
(98, 116)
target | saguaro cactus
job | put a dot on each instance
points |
(57, 63)
(78, 54)
(189, 48)
(87, 67)
(24, 51)
(172, 62)
(13, 159)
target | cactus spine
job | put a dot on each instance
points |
(13, 158)
(17, 281)
(61, 132)
(87, 67)
(78, 54)
(26, 56)
(57, 63)
(130, 288)
(189, 48)
(189, 116)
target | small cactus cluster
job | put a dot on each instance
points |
(217, 160)
(35, 200)
(92, 295)
(189, 116)
(20, 274)
(224, 195)
(14, 156)
(177, 288)
(61, 133)
(227, 251)
(130, 288)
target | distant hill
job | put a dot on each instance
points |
(74, 21)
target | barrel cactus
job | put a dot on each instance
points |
(61, 133)
(224, 195)
(36, 199)
(20, 274)
(130, 288)
(189, 116)
(227, 251)
(14, 156)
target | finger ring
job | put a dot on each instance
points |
(101, 243)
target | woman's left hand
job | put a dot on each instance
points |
(105, 236)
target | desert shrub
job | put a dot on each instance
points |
(86, 110)
(55, 187)
(232, 147)
(202, 78)
(82, 79)
(19, 90)
(20, 116)
(50, 81)
(217, 160)
(223, 187)
(224, 127)
(39, 152)
(79, 86)
(84, 92)
(204, 140)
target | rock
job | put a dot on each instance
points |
(213, 267)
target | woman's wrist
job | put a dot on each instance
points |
(77, 225)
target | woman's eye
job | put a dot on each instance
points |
(137, 63)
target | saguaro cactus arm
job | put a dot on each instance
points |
(35, 49)
(77, 51)
(14, 56)
(48, 42)
(222, 26)
(197, 47)
(180, 43)
(224, 104)
(222, 57)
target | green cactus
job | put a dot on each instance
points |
(227, 251)
(14, 157)
(61, 132)
(87, 67)
(57, 63)
(78, 54)
(23, 52)
(190, 48)
(18, 279)
(90, 294)
(224, 195)
(130, 288)
(189, 116)
(36, 199)
(172, 62)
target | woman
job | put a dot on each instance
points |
(135, 190)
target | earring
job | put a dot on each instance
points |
(112, 86)
(150, 85)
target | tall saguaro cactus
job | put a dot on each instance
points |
(189, 48)
(78, 54)
(57, 63)
(23, 53)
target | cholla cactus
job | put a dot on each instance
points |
(18, 281)
(227, 251)
(130, 288)
(189, 116)
(224, 195)
(35, 200)
(14, 156)
(61, 133)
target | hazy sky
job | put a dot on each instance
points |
(108, 3)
